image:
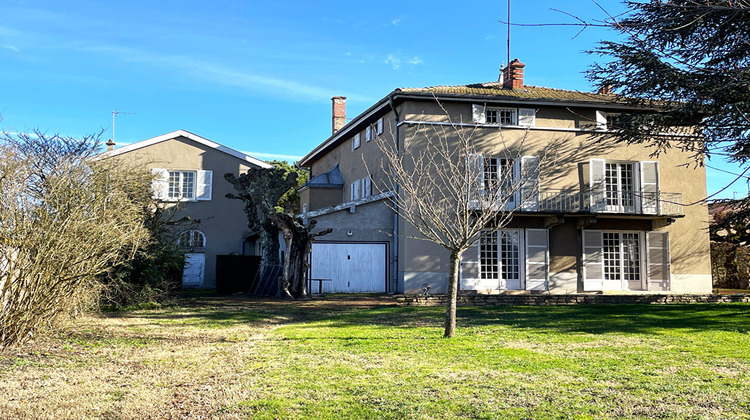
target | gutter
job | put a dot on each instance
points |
(394, 198)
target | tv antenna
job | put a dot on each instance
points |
(114, 114)
(508, 25)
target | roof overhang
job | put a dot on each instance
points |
(194, 137)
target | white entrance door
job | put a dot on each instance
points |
(348, 267)
(192, 274)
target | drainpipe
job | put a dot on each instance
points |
(395, 196)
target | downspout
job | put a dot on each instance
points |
(395, 196)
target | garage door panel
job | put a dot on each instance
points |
(352, 267)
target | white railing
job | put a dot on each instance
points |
(641, 203)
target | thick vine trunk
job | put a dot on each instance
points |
(298, 245)
(450, 315)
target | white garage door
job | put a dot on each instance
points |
(351, 267)
(192, 274)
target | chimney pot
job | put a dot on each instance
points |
(110, 145)
(339, 113)
(513, 75)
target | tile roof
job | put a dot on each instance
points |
(495, 89)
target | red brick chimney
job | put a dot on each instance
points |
(513, 75)
(605, 90)
(339, 113)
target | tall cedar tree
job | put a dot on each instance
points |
(687, 64)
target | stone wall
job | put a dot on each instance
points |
(572, 299)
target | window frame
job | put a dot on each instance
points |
(497, 116)
(176, 188)
(193, 234)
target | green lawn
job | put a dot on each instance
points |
(237, 358)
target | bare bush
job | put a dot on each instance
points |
(65, 218)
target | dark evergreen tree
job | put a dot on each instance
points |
(686, 64)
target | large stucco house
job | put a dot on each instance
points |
(606, 217)
(189, 179)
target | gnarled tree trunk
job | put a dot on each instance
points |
(298, 245)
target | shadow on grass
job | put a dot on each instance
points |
(220, 312)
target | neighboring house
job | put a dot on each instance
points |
(607, 217)
(189, 176)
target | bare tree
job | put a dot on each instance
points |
(65, 218)
(451, 194)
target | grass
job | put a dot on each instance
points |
(213, 357)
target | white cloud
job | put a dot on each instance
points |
(11, 47)
(221, 74)
(396, 61)
(397, 21)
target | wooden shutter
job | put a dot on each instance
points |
(204, 185)
(650, 187)
(537, 260)
(527, 117)
(657, 257)
(529, 183)
(601, 120)
(475, 178)
(593, 260)
(380, 126)
(596, 185)
(366, 186)
(469, 268)
(160, 183)
(477, 114)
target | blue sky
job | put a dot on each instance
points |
(258, 76)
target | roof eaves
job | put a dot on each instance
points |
(194, 137)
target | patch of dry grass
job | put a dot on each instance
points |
(238, 358)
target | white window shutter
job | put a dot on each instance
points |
(477, 114)
(527, 117)
(204, 185)
(529, 179)
(475, 178)
(650, 187)
(593, 260)
(356, 141)
(601, 120)
(355, 190)
(537, 260)
(658, 261)
(160, 183)
(516, 185)
(596, 185)
(368, 133)
(366, 186)
(469, 268)
(380, 126)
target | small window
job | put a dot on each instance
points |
(356, 141)
(369, 133)
(181, 185)
(502, 116)
(366, 186)
(192, 239)
(379, 126)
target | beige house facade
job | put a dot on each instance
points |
(189, 179)
(605, 217)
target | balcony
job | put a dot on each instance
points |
(629, 203)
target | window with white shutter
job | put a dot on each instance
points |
(368, 133)
(355, 190)
(366, 186)
(356, 141)
(477, 114)
(593, 260)
(380, 126)
(160, 183)
(527, 117)
(529, 183)
(204, 187)
(658, 271)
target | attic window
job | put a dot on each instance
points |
(504, 116)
